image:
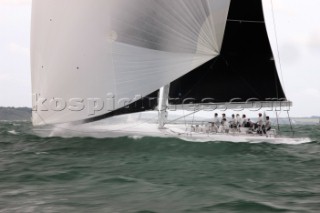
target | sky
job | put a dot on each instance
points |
(297, 31)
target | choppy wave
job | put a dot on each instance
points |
(13, 132)
(156, 174)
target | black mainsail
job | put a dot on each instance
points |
(245, 68)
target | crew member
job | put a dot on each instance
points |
(267, 126)
(245, 121)
(224, 127)
(259, 124)
(216, 119)
(216, 123)
(239, 121)
(233, 122)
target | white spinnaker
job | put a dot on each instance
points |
(86, 49)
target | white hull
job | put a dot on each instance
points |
(144, 125)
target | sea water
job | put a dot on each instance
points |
(156, 174)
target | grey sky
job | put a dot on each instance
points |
(298, 34)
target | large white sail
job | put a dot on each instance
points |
(89, 49)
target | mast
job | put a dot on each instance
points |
(163, 105)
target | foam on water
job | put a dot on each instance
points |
(136, 126)
(13, 132)
(153, 174)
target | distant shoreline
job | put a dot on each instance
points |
(25, 113)
(15, 114)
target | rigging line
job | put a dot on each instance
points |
(185, 121)
(277, 121)
(184, 116)
(292, 130)
(277, 43)
(276, 83)
(193, 122)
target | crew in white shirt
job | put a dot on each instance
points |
(239, 120)
(259, 124)
(224, 127)
(216, 123)
(216, 119)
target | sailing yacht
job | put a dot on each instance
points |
(121, 67)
